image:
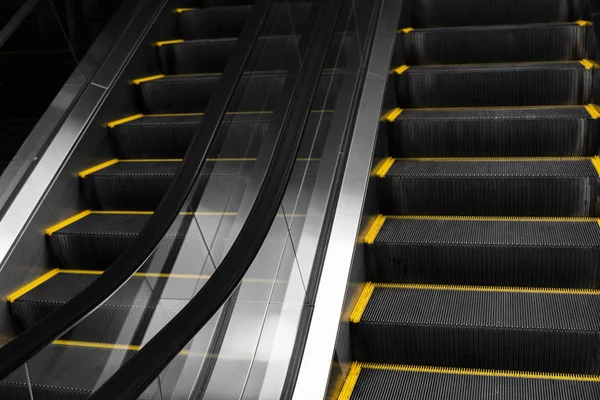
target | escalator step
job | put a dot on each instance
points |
(368, 381)
(70, 370)
(567, 187)
(141, 184)
(478, 85)
(151, 136)
(433, 13)
(255, 92)
(535, 252)
(495, 132)
(494, 44)
(546, 330)
(92, 240)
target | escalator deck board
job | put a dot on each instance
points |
(398, 382)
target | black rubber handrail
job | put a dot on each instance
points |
(17, 19)
(30, 342)
(145, 366)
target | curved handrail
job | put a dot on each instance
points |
(143, 368)
(27, 344)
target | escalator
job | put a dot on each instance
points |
(119, 193)
(482, 266)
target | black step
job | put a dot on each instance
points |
(141, 185)
(494, 132)
(405, 382)
(479, 85)
(257, 91)
(568, 187)
(493, 44)
(434, 13)
(483, 328)
(74, 371)
(169, 136)
(544, 252)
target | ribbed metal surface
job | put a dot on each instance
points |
(169, 137)
(523, 188)
(433, 13)
(490, 44)
(478, 329)
(501, 253)
(556, 131)
(377, 384)
(255, 92)
(494, 85)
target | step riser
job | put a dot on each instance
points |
(514, 44)
(498, 196)
(258, 93)
(482, 348)
(488, 87)
(493, 138)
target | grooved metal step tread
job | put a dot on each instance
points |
(367, 381)
(494, 131)
(493, 44)
(525, 329)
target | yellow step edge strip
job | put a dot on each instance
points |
(499, 159)
(391, 115)
(373, 231)
(596, 164)
(581, 22)
(481, 372)
(383, 167)
(491, 108)
(183, 9)
(112, 124)
(593, 110)
(400, 70)
(350, 382)
(20, 292)
(361, 304)
(406, 30)
(147, 79)
(492, 218)
(68, 221)
(502, 289)
(165, 42)
(588, 64)
(98, 167)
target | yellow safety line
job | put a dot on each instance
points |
(350, 382)
(384, 167)
(593, 110)
(391, 115)
(492, 108)
(97, 345)
(362, 302)
(98, 167)
(68, 221)
(374, 229)
(503, 289)
(406, 30)
(20, 292)
(401, 69)
(164, 42)
(147, 79)
(180, 10)
(588, 64)
(493, 218)
(482, 372)
(596, 163)
(112, 124)
(499, 159)
(200, 213)
(583, 23)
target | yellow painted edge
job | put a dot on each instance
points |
(350, 382)
(164, 42)
(504, 289)
(493, 218)
(582, 22)
(596, 163)
(183, 9)
(20, 292)
(97, 345)
(147, 79)
(407, 30)
(401, 69)
(480, 372)
(362, 302)
(112, 124)
(374, 229)
(200, 213)
(588, 64)
(391, 115)
(98, 167)
(499, 159)
(494, 108)
(593, 110)
(68, 221)
(384, 167)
